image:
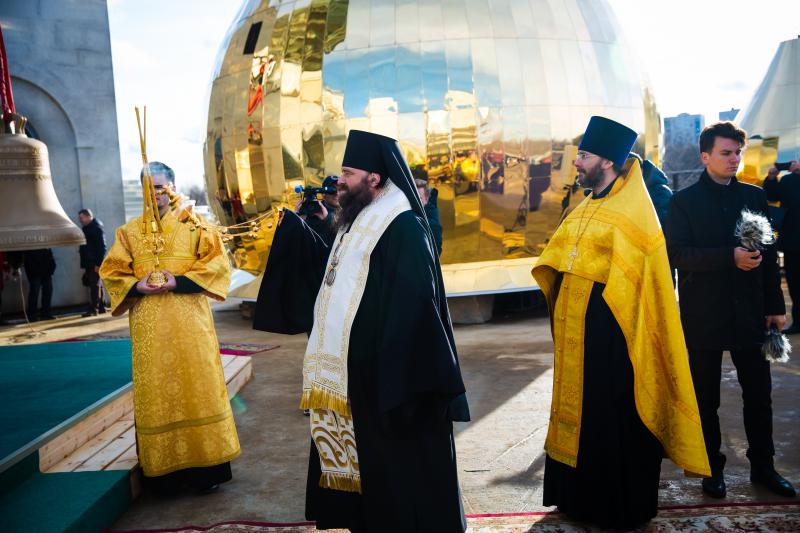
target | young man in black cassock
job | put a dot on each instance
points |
(729, 297)
(380, 375)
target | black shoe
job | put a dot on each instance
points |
(101, 310)
(773, 481)
(87, 314)
(792, 330)
(714, 486)
(208, 489)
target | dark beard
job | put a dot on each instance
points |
(351, 203)
(592, 177)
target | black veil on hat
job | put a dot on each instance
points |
(363, 151)
(382, 155)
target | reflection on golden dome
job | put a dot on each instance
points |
(486, 103)
(772, 117)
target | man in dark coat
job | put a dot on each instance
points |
(657, 187)
(380, 375)
(729, 297)
(787, 192)
(5, 274)
(39, 267)
(428, 197)
(92, 255)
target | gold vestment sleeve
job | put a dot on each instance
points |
(211, 270)
(118, 275)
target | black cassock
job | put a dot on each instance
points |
(615, 482)
(404, 384)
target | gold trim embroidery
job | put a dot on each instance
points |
(184, 424)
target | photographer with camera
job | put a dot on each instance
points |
(427, 197)
(318, 214)
(786, 190)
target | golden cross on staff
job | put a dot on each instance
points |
(152, 228)
(151, 219)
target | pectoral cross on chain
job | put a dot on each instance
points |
(332, 271)
(572, 255)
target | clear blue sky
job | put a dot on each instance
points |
(702, 56)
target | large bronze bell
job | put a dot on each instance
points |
(30, 215)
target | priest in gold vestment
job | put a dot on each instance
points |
(622, 390)
(185, 431)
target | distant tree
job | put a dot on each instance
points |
(198, 194)
(682, 164)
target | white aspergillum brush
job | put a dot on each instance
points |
(776, 348)
(754, 231)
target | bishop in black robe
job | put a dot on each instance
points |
(404, 383)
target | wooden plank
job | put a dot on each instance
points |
(105, 416)
(110, 452)
(227, 359)
(113, 443)
(240, 379)
(235, 367)
(126, 461)
(91, 448)
(77, 436)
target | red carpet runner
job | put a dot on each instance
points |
(733, 518)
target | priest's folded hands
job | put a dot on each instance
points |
(145, 288)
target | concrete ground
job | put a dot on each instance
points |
(507, 366)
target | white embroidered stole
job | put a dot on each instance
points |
(325, 362)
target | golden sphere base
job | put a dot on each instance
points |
(157, 279)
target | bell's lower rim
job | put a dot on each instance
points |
(21, 239)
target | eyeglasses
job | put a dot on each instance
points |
(585, 155)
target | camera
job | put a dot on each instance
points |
(783, 166)
(310, 205)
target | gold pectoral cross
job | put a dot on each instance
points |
(572, 256)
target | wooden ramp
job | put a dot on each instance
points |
(106, 439)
